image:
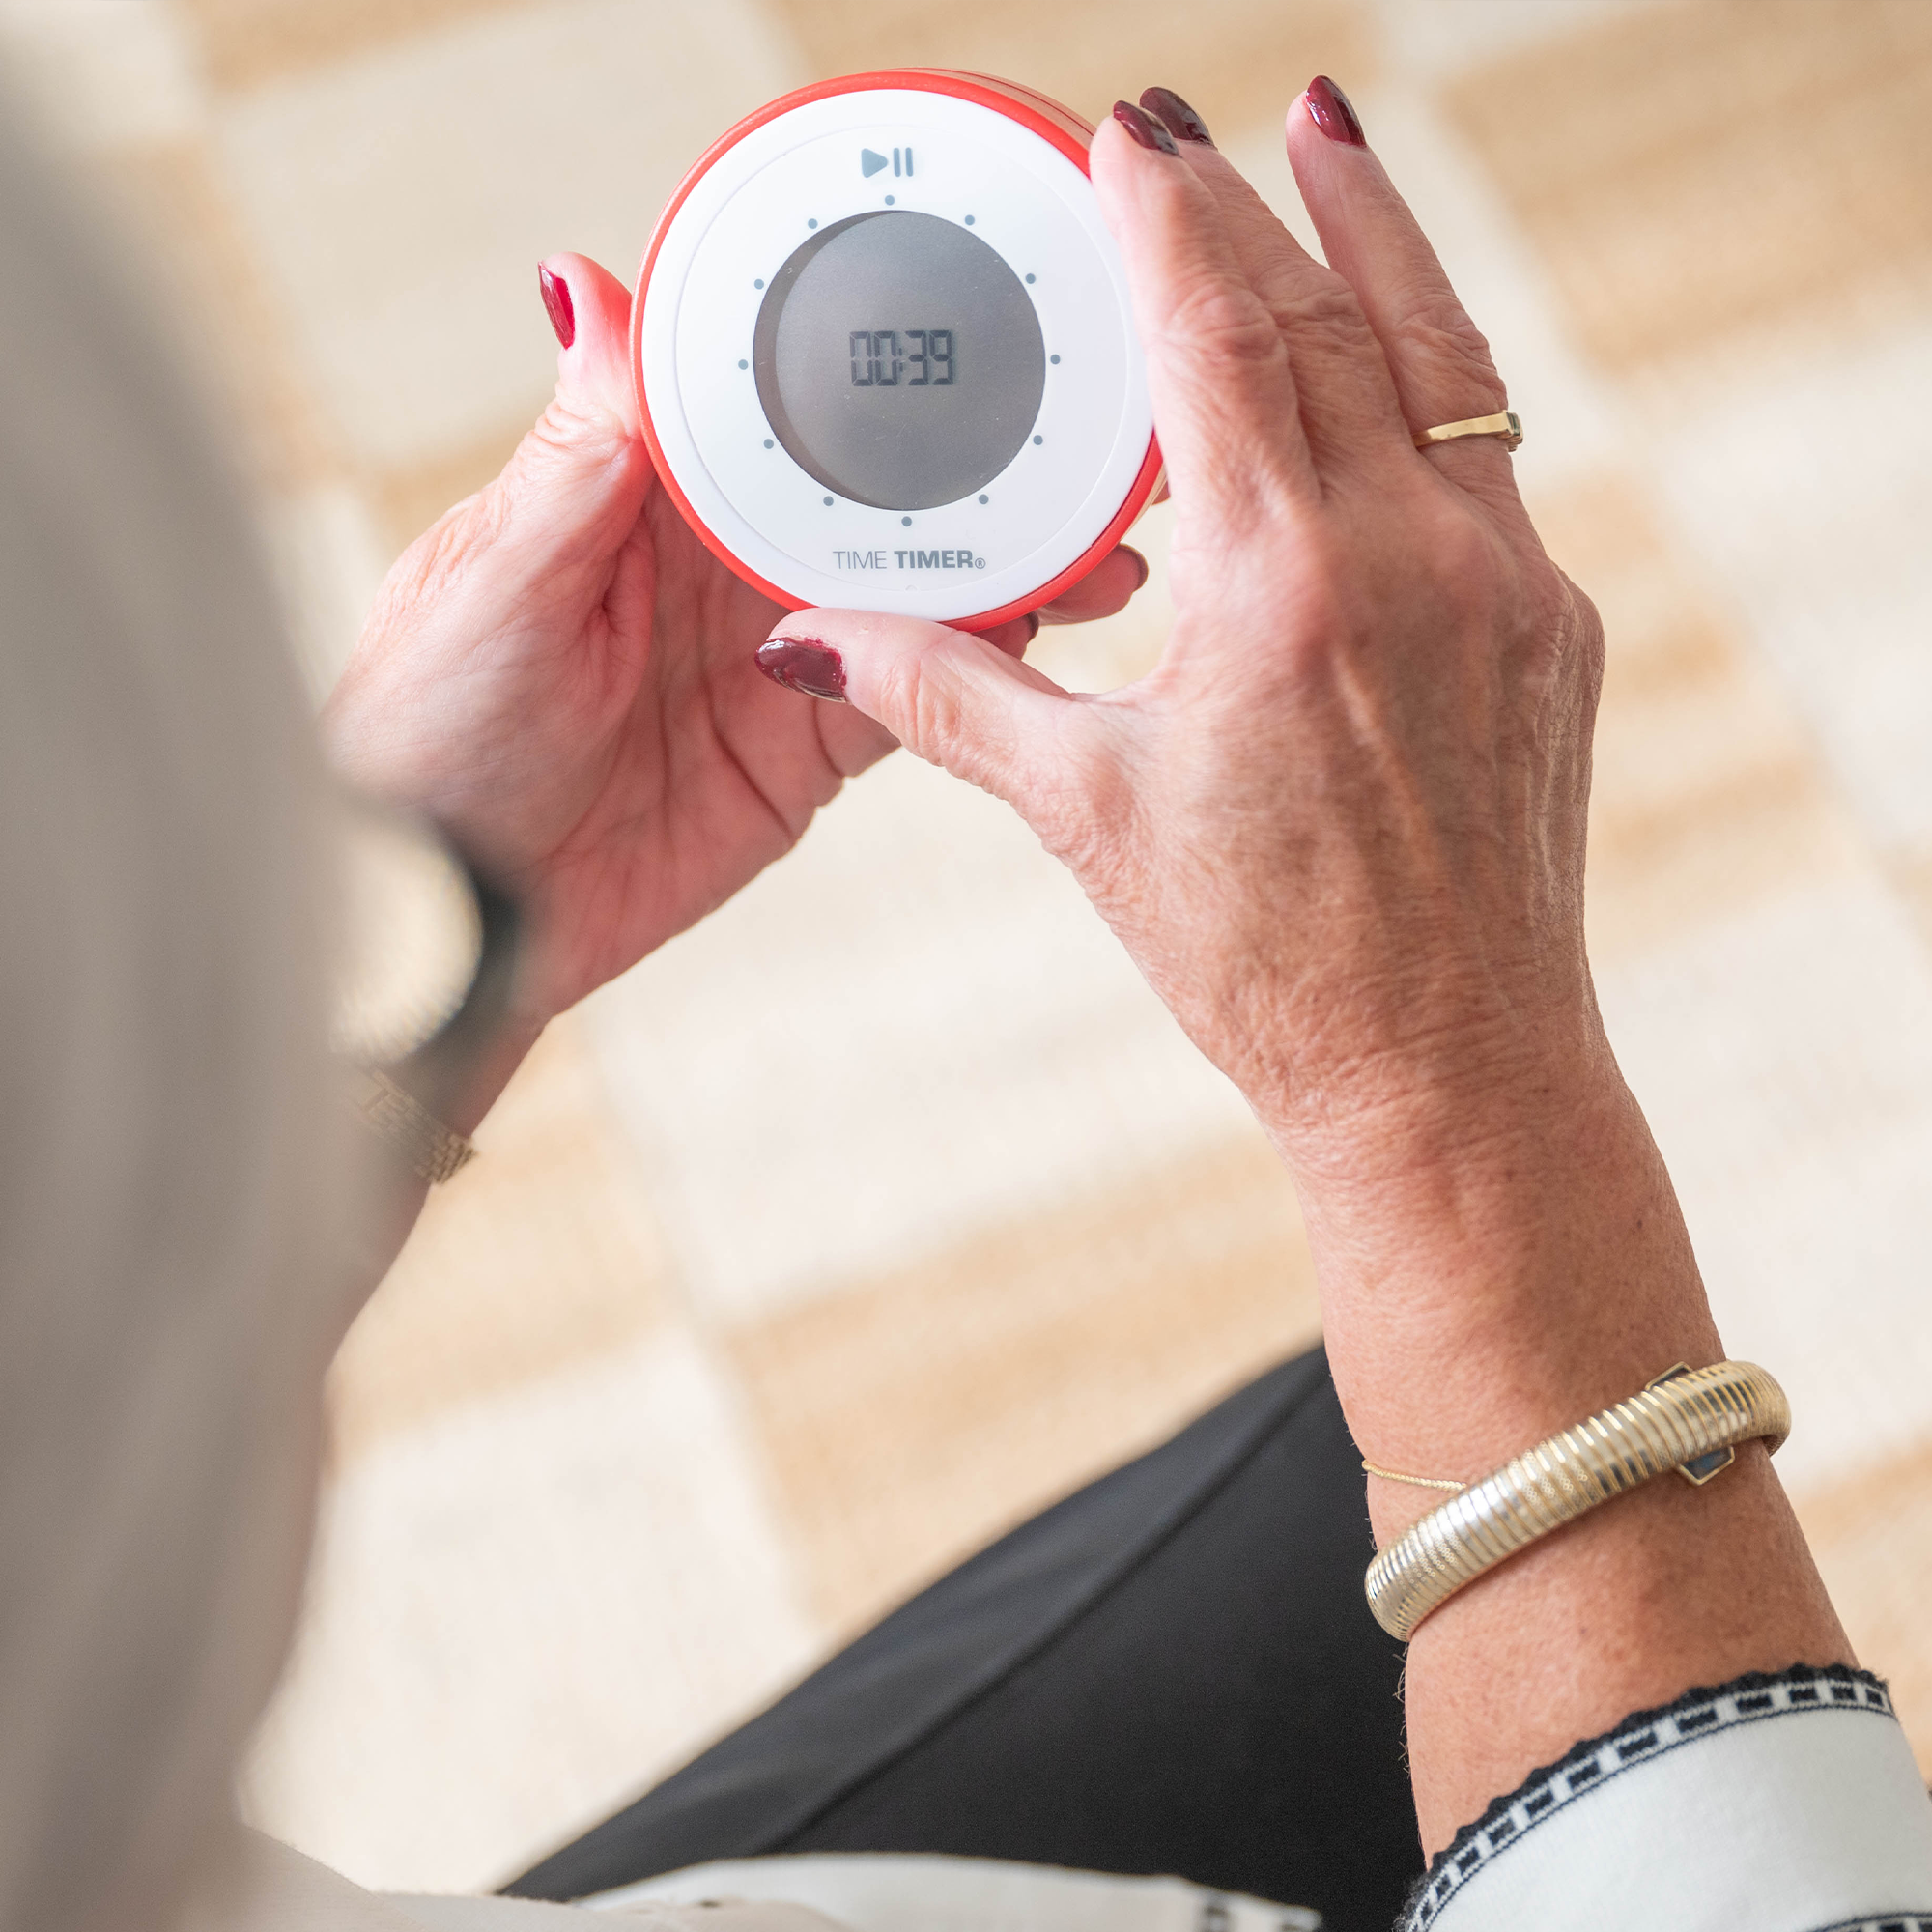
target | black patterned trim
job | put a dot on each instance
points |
(1913, 1921)
(1642, 1737)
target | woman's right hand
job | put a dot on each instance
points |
(1341, 828)
(1341, 825)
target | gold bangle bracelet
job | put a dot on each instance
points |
(1689, 1420)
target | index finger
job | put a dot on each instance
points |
(1224, 399)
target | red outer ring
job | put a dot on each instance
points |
(1059, 127)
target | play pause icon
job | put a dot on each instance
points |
(900, 162)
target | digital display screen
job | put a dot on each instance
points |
(879, 361)
(899, 360)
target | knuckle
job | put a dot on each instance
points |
(1323, 303)
(571, 424)
(937, 718)
(1435, 336)
(1468, 567)
(925, 700)
(1464, 546)
(909, 706)
(1577, 629)
(1221, 323)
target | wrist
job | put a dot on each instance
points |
(1352, 1085)
(1495, 1264)
(1391, 1146)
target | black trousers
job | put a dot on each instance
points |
(1171, 1671)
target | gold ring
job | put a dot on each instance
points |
(1505, 423)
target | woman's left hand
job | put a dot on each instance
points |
(562, 676)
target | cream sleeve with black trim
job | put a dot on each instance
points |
(1785, 1803)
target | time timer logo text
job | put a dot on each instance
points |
(907, 559)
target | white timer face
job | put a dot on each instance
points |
(887, 361)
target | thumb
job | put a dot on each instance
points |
(577, 482)
(948, 697)
(590, 310)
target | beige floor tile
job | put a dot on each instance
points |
(911, 1417)
(520, 1612)
(244, 44)
(1692, 170)
(1232, 59)
(953, 1042)
(1873, 1542)
(913, 1029)
(537, 1257)
(178, 203)
(1783, 1054)
(1798, 483)
(399, 201)
(1911, 871)
(101, 74)
(1708, 795)
(406, 501)
(1431, 42)
(1715, 845)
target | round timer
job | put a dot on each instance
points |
(884, 353)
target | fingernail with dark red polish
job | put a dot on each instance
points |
(1144, 127)
(1140, 563)
(1328, 107)
(1180, 119)
(556, 304)
(800, 664)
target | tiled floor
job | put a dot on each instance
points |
(778, 1291)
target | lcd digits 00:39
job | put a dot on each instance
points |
(878, 362)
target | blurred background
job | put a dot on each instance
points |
(780, 1291)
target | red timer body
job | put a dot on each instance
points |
(884, 352)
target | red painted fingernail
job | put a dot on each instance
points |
(1329, 108)
(1144, 127)
(1141, 563)
(1180, 119)
(802, 663)
(556, 293)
